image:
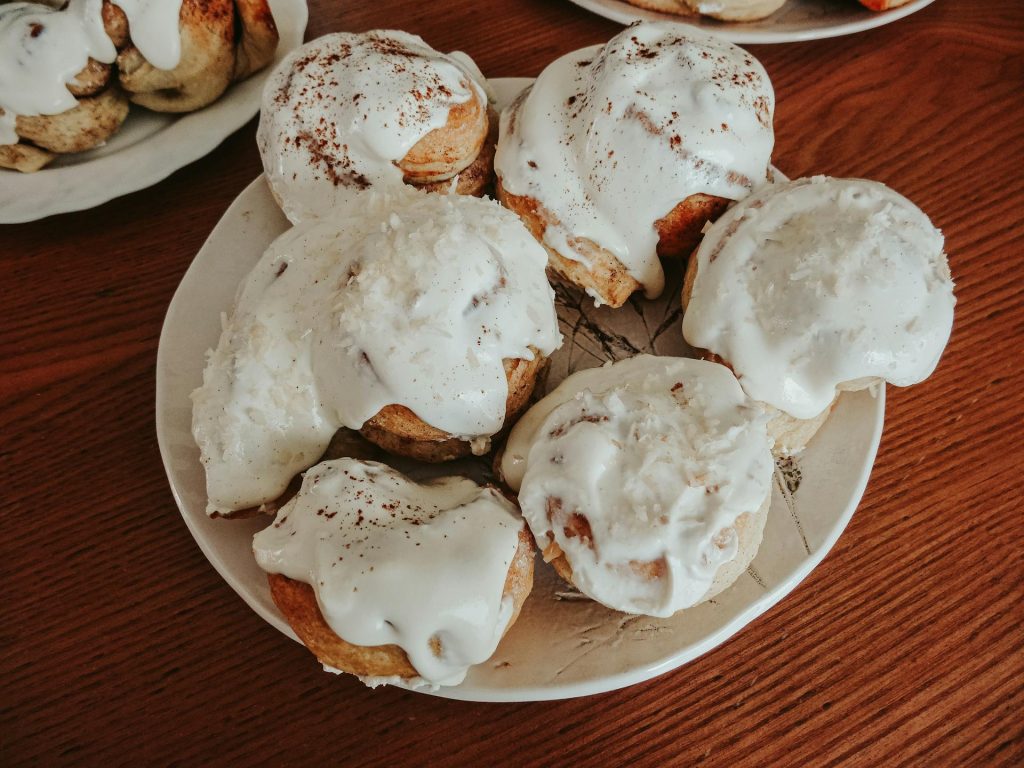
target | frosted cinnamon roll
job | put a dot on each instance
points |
(723, 10)
(815, 286)
(423, 324)
(218, 42)
(67, 73)
(57, 94)
(395, 581)
(620, 153)
(350, 112)
(646, 482)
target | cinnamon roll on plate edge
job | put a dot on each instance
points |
(817, 286)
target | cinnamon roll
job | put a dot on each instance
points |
(395, 581)
(816, 286)
(619, 154)
(71, 71)
(218, 42)
(646, 482)
(423, 324)
(352, 112)
(57, 92)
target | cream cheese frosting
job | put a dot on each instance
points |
(817, 282)
(395, 562)
(417, 301)
(42, 49)
(339, 112)
(659, 456)
(153, 26)
(609, 139)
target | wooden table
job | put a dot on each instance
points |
(120, 644)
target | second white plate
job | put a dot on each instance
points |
(149, 147)
(561, 646)
(797, 20)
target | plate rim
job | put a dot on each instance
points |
(739, 32)
(187, 138)
(603, 684)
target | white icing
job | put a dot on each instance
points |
(611, 138)
(340, 111)
(816, 282)
(42, 49)
(661, 456)
(153, 25)
(402, 304)
(395, 562)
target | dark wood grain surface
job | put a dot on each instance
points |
(119, 644)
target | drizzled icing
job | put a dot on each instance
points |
(417, 301)
(611, 138)
(395, 562)
(153, 25)
(649, 460)
(42, 49)
(816, 282)
(340, 111)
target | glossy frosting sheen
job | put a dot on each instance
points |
(153, 25)
(340, 111)
(417, 301)
(816, 282)
(660, 456)
(392, 561)
(42, 50)
(610, 139)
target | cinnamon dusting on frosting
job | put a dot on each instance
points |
(622, 133)
(341, 111)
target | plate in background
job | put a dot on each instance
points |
(797, 20)
(149, 147)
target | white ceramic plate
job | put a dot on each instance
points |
(561, 646)
(797, 20)
(149, 147)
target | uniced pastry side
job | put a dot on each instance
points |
(816, 286)
(621, 153)
(421, 322)
(349, 112)
(645, 482)
(396, 581)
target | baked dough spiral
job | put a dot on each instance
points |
(396, 581)
(646, 482)
(619, 154)
(349, 113)
(72, 70)
(816, 286)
